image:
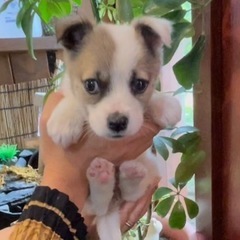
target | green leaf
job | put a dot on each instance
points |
(95, 10)
(161, 7)
(102, 12)
(111, 2)
(78, 2)
(190, 141)
(192, 208)
(114, 13)
(185, 129)
(188, 167)
(176, 145)
(124, 10)
(5, 5)
(48, 9)
(175, 15)
(27, 27)
(191, 61)
(177, 185)
(109, 13)
(138, 6)
(162, 192)
(170, 4)
(173, 182)
(161, 147)
(180, 31)
(183, 173)
(164, 206)
(177, 217)
(23, 9)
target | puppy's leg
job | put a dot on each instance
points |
(131, 178)
(165, 110)
(101, 177)
(108, 226)
(66, 122)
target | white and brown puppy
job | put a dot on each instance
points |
(109, 83)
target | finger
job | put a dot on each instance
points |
(131, 212)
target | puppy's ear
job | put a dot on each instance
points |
(71, 31)
(155, 32)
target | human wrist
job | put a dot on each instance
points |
(74, 185)
(52, 212)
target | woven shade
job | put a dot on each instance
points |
(18, 115)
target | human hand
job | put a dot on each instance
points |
(65, 169)
(131, 212)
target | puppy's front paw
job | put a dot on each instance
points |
(65, 124)
(132, 173)
(101, 177)
(165, 110)
(100, 172)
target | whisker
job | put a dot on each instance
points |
(86, 132)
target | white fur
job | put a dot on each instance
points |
(64, 131)
(165, 109)
(124, 60)
(116, 101)
(128, 49)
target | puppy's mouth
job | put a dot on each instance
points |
(116, 135)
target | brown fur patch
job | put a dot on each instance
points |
(148, 66)
(93, 61)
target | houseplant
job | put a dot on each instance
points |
(184, 140)
(8, 154)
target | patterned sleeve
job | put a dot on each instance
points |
(49, 215)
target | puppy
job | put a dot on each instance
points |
(109, 82)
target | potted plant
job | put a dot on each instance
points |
(8, 154)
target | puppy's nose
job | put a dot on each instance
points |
(117, 122)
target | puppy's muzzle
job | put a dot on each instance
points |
(117, 122)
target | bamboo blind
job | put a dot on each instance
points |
(18, 115)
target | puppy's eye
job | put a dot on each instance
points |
(138, 85)
(92, 86)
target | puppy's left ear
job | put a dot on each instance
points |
(156, 32)
(71, 32)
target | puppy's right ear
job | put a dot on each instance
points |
(71, 32)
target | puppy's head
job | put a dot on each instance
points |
(113, 69)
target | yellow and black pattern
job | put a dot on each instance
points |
(49, 216)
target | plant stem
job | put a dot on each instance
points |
(139, 233)
(149, 216)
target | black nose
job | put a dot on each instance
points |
(117, 122)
